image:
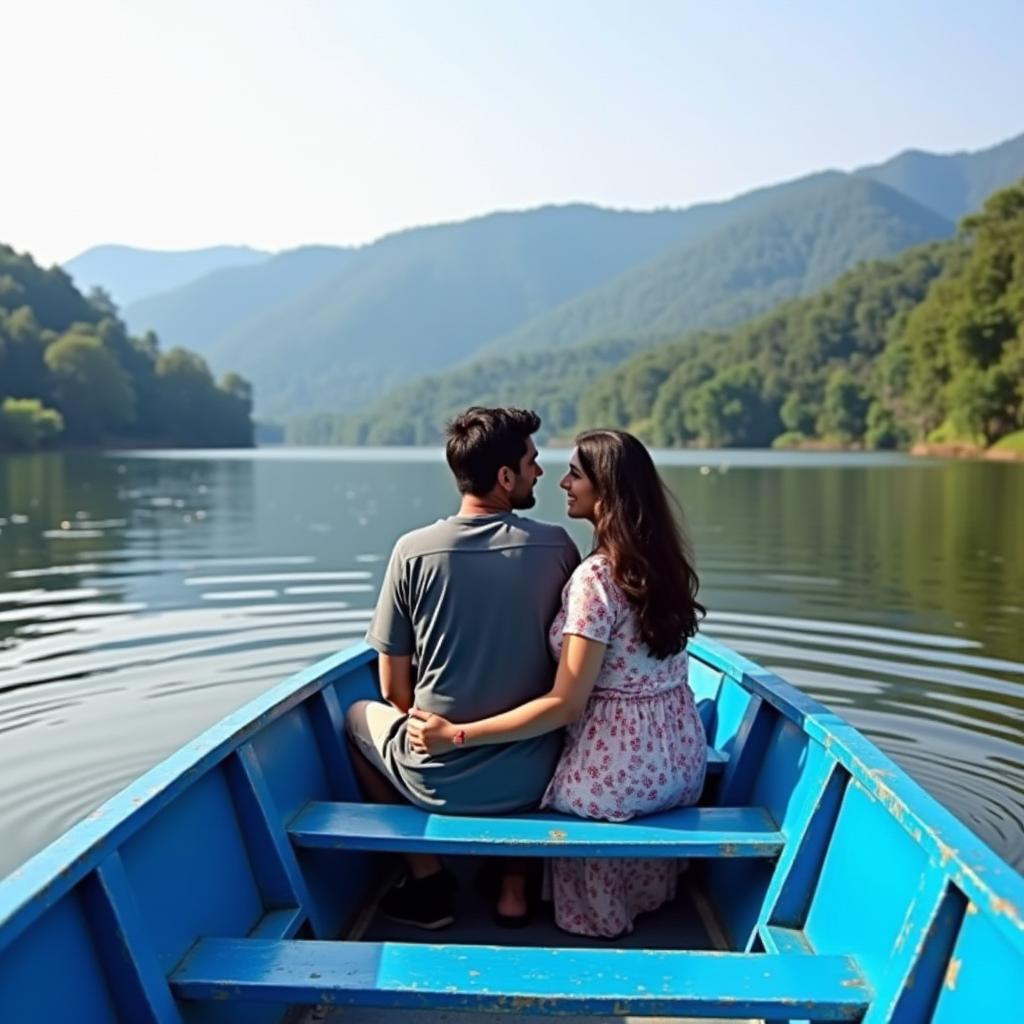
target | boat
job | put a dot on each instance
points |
(236, 881)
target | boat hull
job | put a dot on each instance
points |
(213, 845)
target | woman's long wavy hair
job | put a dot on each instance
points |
(644, 542)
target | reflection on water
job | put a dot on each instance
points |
(142, 597)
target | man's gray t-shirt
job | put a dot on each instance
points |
(471, 597)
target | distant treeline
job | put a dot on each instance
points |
(70, 374)
(925, 347)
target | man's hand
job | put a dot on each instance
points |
(429, 734)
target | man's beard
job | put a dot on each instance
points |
(522, 501)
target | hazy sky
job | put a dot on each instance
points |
(282, 122)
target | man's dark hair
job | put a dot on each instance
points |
(481, 441)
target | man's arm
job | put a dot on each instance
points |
(578, 669)
(396, 685)
(392, 635)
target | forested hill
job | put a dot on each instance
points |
(794, 248)
(953, 184)
(232, 298)
(70, 374)
(424, 299)
(928, 347)
(740, 271)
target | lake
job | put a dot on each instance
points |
(145, 595)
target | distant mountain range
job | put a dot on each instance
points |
(128, 274)
(803, 241)
(231, 299)
(337, 329)
(955, 184)
(738, 272)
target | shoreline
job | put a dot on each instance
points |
(924, 449)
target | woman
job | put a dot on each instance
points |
(635, 743)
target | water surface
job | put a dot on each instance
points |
(145, 595)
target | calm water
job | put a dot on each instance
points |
(143, 597)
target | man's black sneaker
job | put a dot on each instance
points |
(421, 902)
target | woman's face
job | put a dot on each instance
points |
(581, 495)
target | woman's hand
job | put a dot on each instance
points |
(428, 733)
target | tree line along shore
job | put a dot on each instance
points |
(71, 376)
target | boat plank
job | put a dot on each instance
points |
(717, 761)
(274, 860)
(521, 979)
(279, 924)
(683, 832)
(137, 983)
(778, 939)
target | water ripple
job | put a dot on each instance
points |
(146, 597)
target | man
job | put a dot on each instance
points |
(469, 599)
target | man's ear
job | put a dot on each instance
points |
(506, 478)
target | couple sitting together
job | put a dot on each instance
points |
(485, 604)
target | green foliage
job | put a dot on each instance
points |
(798, 415)
(90, 388)
(928, 346)
(882, 430)
(202, 413)
(844, 409)
(50, 294)
(1011, 443)
(730, 409)
(786, 244)
(550, 382)
(804, 369)
(790, 439)
(70, 372)
(27, 423)
(958, 367)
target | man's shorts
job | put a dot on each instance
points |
(370, 723)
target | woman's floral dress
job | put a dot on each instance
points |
(638, 747)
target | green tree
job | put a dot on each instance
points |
(798, 416)
(730, 411)
(27, 423)
(882, 429)
(670, 427)
(962, 370)
(23, 372)
(75, 358)
(641, 381)
(92, 392)
(102, 302)
(844, 410)
(193, 410)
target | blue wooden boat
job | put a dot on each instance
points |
(234, 882)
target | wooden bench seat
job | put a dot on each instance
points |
(522, 979)
(684, 832)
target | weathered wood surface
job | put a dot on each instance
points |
(684, 832)
(523, 980)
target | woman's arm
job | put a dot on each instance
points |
(577, 672)
(396, 680)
